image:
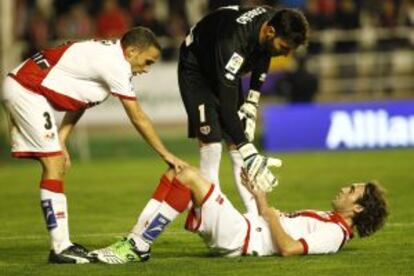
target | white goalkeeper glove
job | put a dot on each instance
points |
(257, 167)
(248, 114)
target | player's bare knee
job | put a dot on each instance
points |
(188, 175)
(54, 165)
(170, 174)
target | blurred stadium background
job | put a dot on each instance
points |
(351, 89)
(359, 51)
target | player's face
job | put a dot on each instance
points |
(141, 60)
(278, 47)
(345, 200)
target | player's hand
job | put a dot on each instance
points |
(257, 167)
(175, 163)
(249, 184)
(66, 156)
(248, 114)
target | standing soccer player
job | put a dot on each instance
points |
(219, 49)
(72, 78)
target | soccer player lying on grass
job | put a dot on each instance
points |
(225, 230)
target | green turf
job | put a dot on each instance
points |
(106, 196)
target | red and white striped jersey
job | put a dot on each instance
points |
(77, 75)
(319, 232)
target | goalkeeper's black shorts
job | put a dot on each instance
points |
(200, 101)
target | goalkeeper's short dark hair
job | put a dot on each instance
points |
(140, 37)
(291, 25)
(375, 212)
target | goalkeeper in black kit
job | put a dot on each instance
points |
(218, 50)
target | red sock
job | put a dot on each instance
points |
(162, 189)
(52, 185)
(179, 196)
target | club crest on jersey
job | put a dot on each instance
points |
(205, 130)
(234, 63)
(229, 76)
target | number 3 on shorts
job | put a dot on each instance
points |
(48, 124)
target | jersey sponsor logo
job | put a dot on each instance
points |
(205, 130)
(248, 16)
(234, 63)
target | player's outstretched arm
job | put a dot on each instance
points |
(144, 126)
(259, 195)
(285, 244)
(248, 111)
(248, 114)
(66, 127)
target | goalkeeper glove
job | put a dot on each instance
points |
(257, 167)
(248, 114)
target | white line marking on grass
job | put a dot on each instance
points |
(400, 224)
(169, 233)
(41, 237)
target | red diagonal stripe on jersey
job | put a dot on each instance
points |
(246, 238)
(333, 217)
(57, 100)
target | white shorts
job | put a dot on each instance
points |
(222, 227)
(33, 127)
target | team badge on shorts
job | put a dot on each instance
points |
(205, 130)
(234, 63)
(50, 136)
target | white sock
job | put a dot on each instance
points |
(210, 156)
(54, 207)
(246, 196)
(156, 225)
(149, 210)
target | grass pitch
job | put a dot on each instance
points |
(105, 197)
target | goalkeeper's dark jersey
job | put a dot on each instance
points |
(226, 46)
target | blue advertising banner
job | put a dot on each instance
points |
(338, 126)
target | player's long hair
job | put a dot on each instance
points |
(375, 212)
(291, 25)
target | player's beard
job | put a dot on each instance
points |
(272, 50)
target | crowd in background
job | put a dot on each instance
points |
(40, 22)
(43, 23)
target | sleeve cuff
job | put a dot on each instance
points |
(122, 96)
(305, 246)
(253, 97)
